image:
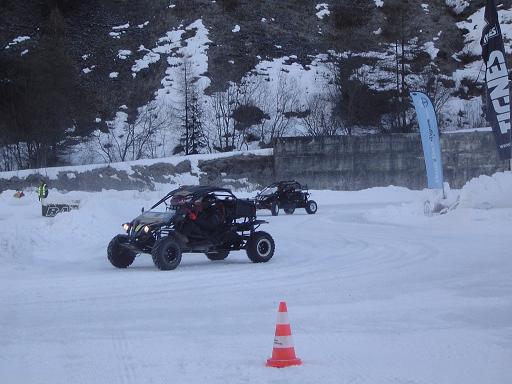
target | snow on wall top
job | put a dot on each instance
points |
(52, 172)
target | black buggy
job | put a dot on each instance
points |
(287, 195)
(195, 219)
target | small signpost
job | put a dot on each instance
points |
(52, 209)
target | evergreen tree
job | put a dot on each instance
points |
(43, 99)
(192, 138)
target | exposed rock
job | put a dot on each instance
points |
(141, 177)
(268, 29)
(240, 172)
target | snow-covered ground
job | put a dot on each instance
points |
(376, 293)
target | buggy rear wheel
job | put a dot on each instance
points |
(260, 247)
(311, 207)
(289, 211)
(119, 256)
(274, 209)
(166, 254)
(216, 256)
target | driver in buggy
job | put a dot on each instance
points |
(287, 192)
(204, 219)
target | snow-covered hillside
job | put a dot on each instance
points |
(285, 61)
(376, 292)
(288, 75)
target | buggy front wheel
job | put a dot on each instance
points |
(274, 209)
(166, 254)
(260, 247)
(119, 256)
(311, 207)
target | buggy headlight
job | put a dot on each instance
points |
(146, 228)
(126, 226)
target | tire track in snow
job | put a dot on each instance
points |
(342, 256)
(123, 357)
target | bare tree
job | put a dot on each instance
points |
(9, 161)
(150, 122)
(278, 104)
(351, 94)
(225, 134)
(431, 84)
(248, 112)
(318, 118)
(161, 121)
(471, 115)
(252, 103)
(132, 140)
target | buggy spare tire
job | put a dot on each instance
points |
(260, 247)
(119, 256)
(216, 256)
(166, 254)
(274, 209)
(289, 211)
(311, 207)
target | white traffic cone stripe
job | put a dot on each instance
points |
(283, 342)
(282, 318)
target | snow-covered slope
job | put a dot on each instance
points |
(133, 58)
(314, 78)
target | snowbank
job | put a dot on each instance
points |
(483, 192)
(488, 192)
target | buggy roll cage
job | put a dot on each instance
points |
(238, 208)
(194, 192)
(286, 183)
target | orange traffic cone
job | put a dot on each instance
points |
(283, 353)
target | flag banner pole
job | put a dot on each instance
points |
(497, 82)
(430, 140)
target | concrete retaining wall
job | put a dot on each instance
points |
(341, 162)
(359, 162)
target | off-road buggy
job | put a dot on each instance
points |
(287, 195)
(172, 227)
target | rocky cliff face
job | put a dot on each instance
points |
(123, 49)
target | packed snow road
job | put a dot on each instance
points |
(376, 293)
